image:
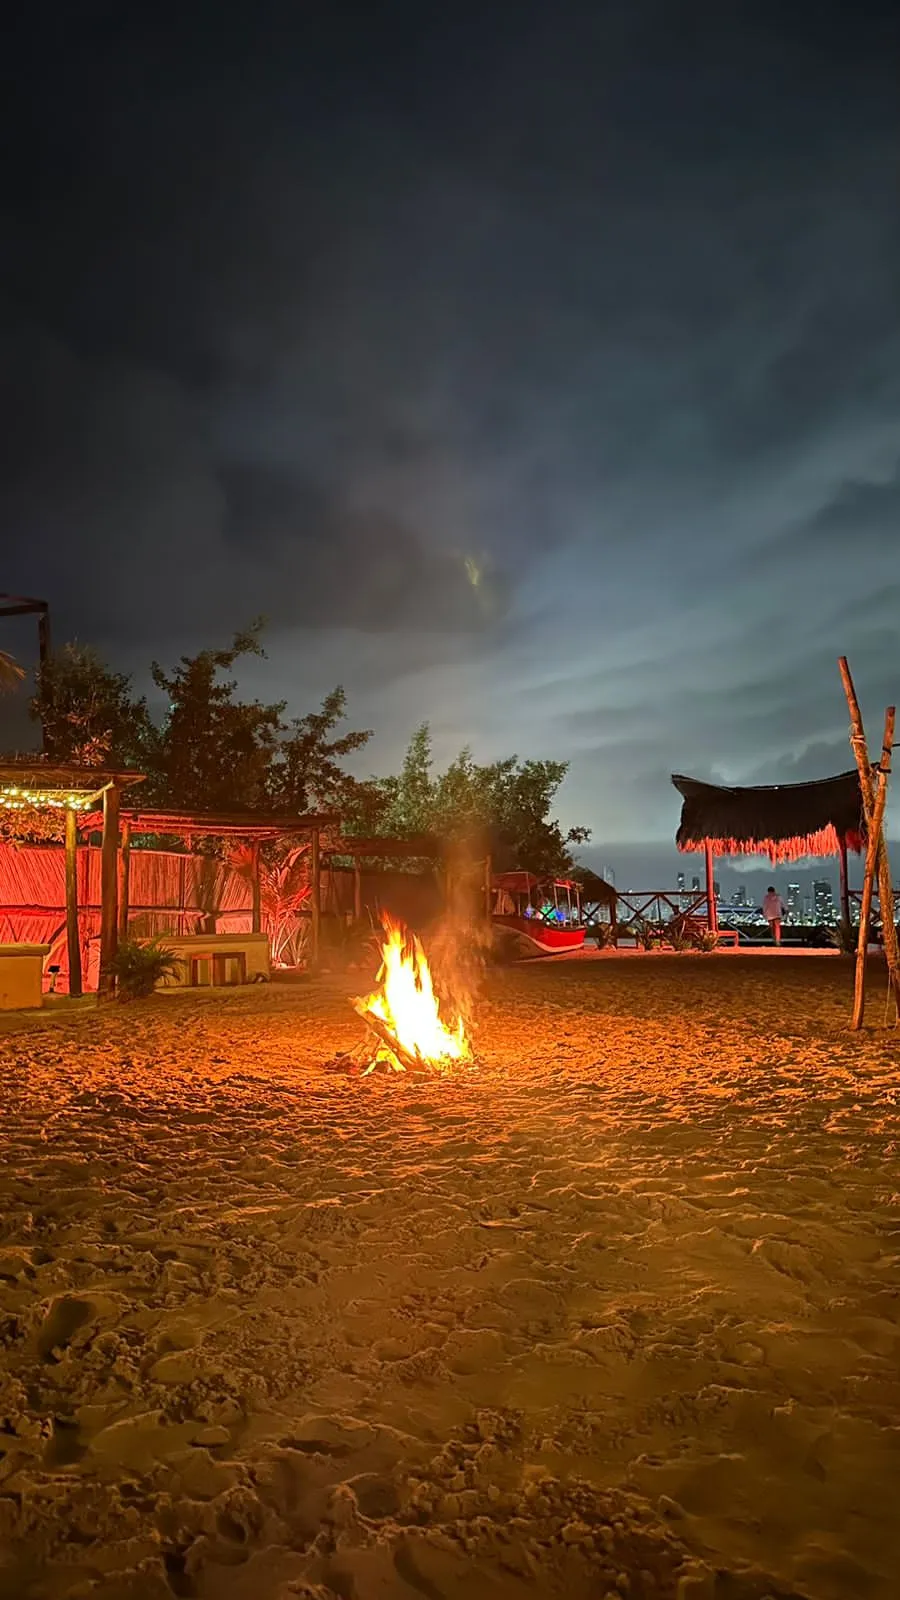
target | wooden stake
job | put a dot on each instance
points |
(867, 788)
(256, 886)
(712, 908)
(873, 847)
(315, 905)
(73, 940)
(109, 890)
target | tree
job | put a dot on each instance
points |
(504, 807)
(214, 753)
(307, 774)
(89, 714)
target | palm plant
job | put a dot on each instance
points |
(285, 892)
(139, 965)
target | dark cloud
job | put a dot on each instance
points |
(304, 314)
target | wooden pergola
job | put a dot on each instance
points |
(785, 822)
(29, 784)
(255, 828)
(91, 800)
(417, 847)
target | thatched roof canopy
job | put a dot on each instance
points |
(783, 821)
(595, 891)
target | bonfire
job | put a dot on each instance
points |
(403, 1011)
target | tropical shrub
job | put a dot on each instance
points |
(705, 941)
(138, 966)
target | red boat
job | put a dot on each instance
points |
(542, 914)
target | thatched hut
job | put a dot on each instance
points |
(785, 822)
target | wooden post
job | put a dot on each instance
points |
(711, 887)
(124, 879)
(315, 904)
(873, 847)
(256, 924)
(73, 938)
(867, 789)
(109, 886)
(488, 888)
(845, 881)
(357, 890)
(44, 635)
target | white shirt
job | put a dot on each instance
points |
(772, 906)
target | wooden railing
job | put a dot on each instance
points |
(650, 908)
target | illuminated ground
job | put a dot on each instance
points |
(615, 1314)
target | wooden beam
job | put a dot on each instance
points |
(109, 887)
(124, 879)
(860, 750)
(256, 885)
(73, 937)
(315, 902)
(44, 643)
(873, 848)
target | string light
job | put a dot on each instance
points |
(16, 799)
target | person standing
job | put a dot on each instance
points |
(773, 911)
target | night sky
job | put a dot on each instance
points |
(535, 369)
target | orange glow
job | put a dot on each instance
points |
(406, 1007)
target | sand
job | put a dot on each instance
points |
(617, 1314)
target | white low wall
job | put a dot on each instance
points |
(214, 959)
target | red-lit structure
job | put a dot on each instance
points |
(785, 822)
(96, 884)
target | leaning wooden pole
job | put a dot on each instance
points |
(867, 787)
(873, 847)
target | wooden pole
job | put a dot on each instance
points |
(315, 901)
(256, 885)
(873, 847)
(73, 938)
(867, 788)
(711, 888)
(357, 890)
(488, 888)
(845, 882)
(109, 885)
(124, 880)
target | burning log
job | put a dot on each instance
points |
(407, 1062)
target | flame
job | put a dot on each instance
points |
(406, 1007)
